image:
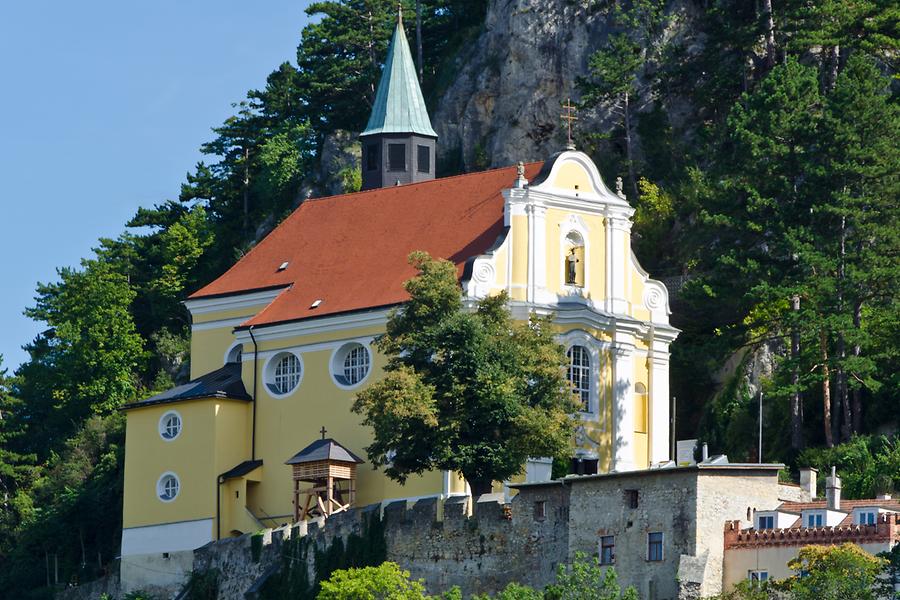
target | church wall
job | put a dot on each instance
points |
(519, 234)
(559, 223)
(148, 456)
(208, 348)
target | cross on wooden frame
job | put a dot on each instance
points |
(569, 117)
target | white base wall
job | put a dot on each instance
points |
(170, 537)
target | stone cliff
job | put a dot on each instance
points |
(504, 103)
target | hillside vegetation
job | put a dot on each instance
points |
(774, 201)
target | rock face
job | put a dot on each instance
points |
(505, 103)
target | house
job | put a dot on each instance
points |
(660, 528)
(762, 551)
(282, 342)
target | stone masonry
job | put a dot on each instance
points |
(483, 548)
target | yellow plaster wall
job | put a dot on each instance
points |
(572, 176)
(190, 456)
(557, 227)
(208, 347)
(641, 413)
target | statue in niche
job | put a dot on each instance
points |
(572, 268)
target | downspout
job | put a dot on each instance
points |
(219, 482)
(255, 377)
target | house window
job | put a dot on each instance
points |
(631, 498)
(350, 364)
(167, 487)
(170, 426)
(540, 510)
(814, 520)
(607, 550)
(372, 157)
(283, 373)
(757, 577)
(396, 157)
(655, 546)
(580, 375)
(766, 522)
(866, 517)
(423, 162)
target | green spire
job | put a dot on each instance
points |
(399, 105)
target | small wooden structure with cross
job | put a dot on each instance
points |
(331, 469)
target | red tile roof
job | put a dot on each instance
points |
(350, 251)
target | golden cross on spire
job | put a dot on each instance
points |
(323, 431)
(568, 118)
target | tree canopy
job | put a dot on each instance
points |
(471, 391)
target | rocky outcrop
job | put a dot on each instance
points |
(505, 103)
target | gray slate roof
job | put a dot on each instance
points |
(399, 106)
(221, 383)
(326, 449)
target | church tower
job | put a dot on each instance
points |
(398, 144)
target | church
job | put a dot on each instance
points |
(283, 341)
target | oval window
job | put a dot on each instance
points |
(167, 487)
(351, 364)
(283, 373)
(170, 426)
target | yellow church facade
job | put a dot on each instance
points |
(283, 341)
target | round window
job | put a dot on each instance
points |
(350, 364)
(283, 373)
(167, 487)
(170, 426)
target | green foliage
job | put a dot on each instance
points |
(384, 582)
(585, 579)
(473, 392)
(293, 581)
(868, 465)
(836, 573)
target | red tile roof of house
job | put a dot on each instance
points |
(350, 251)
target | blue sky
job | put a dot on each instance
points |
(103, 106)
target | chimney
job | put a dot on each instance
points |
(833, 491)
(808, 481)
(705, 454)
(883, 496)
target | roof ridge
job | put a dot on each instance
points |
(408, 185)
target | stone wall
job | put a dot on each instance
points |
(483, 548)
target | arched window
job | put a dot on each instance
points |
(573, 260)
(641, 408)
(580, 375)
(235, 354)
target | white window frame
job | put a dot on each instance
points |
(580, 373)
(160, 486)
(231, 350)
(662, 546)
(815, 515)
(270, 372)
(163, 425)
(599, 393)
(859, 513)
(338, 366)
(761, 516)
(761, 576)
